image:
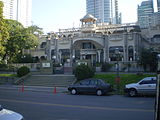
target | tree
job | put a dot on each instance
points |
(148, 58)
(20, 39)
(4, 35)
(35, 30)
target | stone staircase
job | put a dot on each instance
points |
(49, 80)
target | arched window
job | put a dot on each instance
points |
(113, 55)
(43, 45)
(130, 53)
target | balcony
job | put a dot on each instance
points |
(88, 51)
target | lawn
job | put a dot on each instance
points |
(8, 75)
(124, 79)
(4, 78)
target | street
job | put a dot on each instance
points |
(63, 106)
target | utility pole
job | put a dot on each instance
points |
(157, 104)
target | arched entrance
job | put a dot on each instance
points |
(88, 50)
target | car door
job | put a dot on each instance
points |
(153, 86)
(92, 86)
(146, 86)
(83, 86)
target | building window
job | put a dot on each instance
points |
(112, 53)
(88, 45)
(43, 45)
(130, 53)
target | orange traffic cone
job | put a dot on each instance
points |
(55, 91)
(22, 87)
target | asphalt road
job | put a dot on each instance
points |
(61, 106)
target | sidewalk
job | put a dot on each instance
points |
(34, 88)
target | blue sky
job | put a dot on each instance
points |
(52, 15)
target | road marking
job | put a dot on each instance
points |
(78, 106)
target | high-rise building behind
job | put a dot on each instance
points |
(19, 10)
(99, 9)
(104, 10)
(145, 10)
(158, 5)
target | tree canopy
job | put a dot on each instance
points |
(14, 38)
(148, 59)
(20, 38)
(4, 35)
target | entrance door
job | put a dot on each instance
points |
(88, 57)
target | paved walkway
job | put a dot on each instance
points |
(34, 88)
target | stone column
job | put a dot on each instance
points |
(56, 50)
(99, 57)
(107, 48)
(104, 49)
(71, 50)
(125, 38)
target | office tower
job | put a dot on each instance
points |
(116, 11)
(154, 19)
(144, 11)
(158, 5)
(99, 9)
(19, 10)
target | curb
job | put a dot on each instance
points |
(35, 89)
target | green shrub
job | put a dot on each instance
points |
(83, 71)
(22, 71)
(3, 65)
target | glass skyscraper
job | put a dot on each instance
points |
(144, 11)
(158, 5)
(101, 9)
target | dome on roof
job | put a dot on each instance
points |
(88, 18)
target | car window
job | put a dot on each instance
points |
(145, 82)
(84, 82)
(93, 82)
(152, 81)
(1, 108)
(100, 82)
(148, 82)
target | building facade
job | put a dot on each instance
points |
(154, 19)
(144, 11)
(19, 10)
(96, 43)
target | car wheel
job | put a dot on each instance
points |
(73, 91)
(132, 92)
(99, 92)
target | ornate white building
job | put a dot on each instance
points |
(94, 42)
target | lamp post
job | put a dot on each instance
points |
(117, 53)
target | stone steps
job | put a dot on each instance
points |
(50, 80)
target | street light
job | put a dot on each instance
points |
(117, 53)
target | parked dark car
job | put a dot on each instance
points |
(90, 85)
